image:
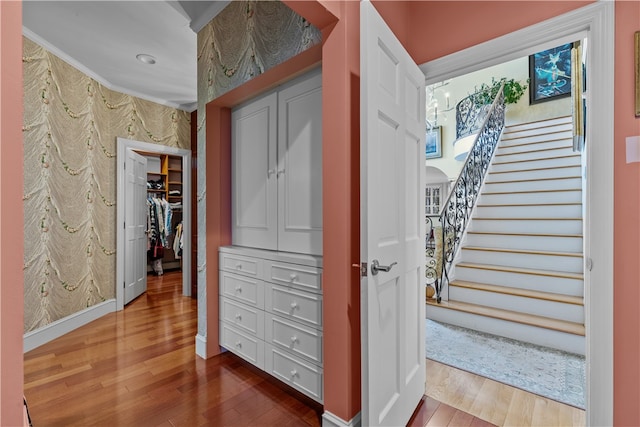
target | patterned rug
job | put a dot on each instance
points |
(547, 372)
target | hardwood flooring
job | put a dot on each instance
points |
(138, 367)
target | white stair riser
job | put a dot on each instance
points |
(537, 307)
(535, 185)
(531, 198)
(543, 145)
(530, 211)
(558, 226)
(504, 165)
(567, 264)
(534, 155)
(560, 285)
(540, 126)
(549, 132)
(534, 174)
(540, 336)
(541, 243)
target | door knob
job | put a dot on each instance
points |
(376, 267)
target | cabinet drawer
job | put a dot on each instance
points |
(294, 304)
(239, 264)
(244, 289)
(249, 348)
(299, 340)
(301, 375)
(302, 277)
(246, 319)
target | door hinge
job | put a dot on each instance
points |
(589, 264)
(362, 267)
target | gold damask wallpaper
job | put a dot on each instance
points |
(71, 123)
(246, 39)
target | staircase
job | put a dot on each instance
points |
(519, 273)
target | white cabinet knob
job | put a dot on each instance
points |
(294, 338)
(238, 288)
(293, 277)
(238, 266)
(238, 316)
(294, 373)
(294, 305)
(238, 344)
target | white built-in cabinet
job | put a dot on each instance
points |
(271, 277)
(277, 169)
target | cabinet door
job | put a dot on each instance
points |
(254, 192)
(300, 166)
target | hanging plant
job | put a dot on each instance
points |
(513, 91)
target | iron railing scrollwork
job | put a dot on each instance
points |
(445, 231)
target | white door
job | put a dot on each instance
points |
(254, 195)
(392, 220)
(300, 166)
(135, 225)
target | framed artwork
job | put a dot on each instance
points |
(550, 74)
(637, 58)
(434, 143)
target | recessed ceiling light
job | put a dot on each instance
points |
(147, 59)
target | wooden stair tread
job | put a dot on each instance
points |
(498, 233)
(541, 150)
(532, 180)
(523, 144)
(486, 205)
(548, 273)
(535, 169)
(537, 160)
(526, 219)
(523, 251)
(513, 316)
(527, 293)
(531, 191)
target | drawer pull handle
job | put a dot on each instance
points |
(294, 305)
(293, 277)
(294, 339)
(238, 344)
(294, 373)
(238, 288)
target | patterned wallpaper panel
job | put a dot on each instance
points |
(246, 39)
(71, 123)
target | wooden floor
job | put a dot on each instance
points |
(138, 368)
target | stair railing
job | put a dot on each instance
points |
(445, 231)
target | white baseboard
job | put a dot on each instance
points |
(201, 346)
(330, 420)
(60, 327)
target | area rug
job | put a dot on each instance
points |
(547, 372)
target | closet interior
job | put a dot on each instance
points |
(164, 212)
(271, 276)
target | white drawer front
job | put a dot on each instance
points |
(303, 376)
(300, 340)
(245, 346)
(241, 264)
(307, 278)
(245, 289)
(294, 304)
(247, 319)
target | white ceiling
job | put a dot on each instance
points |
(102, 39)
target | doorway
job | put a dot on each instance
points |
(593, 23)
(124, 146)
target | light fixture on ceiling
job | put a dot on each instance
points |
(147, 59)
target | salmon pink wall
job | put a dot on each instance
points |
(11, 218)
(439, 28)
(626, 356)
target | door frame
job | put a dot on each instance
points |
(123, 145)
(596, 23)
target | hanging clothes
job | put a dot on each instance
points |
(158, 231)
(177, 241)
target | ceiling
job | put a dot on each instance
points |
(102, 39)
